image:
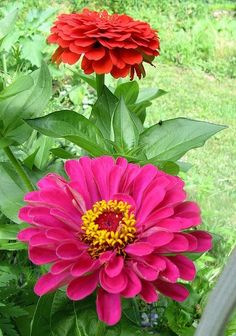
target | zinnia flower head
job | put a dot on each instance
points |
(115, 228)
(115, 44)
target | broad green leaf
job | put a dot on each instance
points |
(22, 83)
(9, 231)
(62, 153)
(103, 110)
(91, 80)
(7, 23)
(29, 160)
(125, 132)
(171, 139)
(9, 41)
(221, 303)
(11, 192)
(40, 324)
(73, 127)
(169, 167)
(32, 48)
(24, 104)
(147, 94)
(42, 157)
(129, 91)
(56, 315)
(12, 246)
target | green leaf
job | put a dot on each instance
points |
(91, 80)
(31, 49)
(62, 153)
(9, 231)
(73, 127)
(24, 104)
(29, 161)
(7, 23)
(221, 303)
(11, 192)
(44, 145)
(171, 139)
(103, 110)
(13, 246)
(21, 84)
(147, 94)
(169, 167)
(41, 320)
(56, 315)
(125, 128)
(129, 91)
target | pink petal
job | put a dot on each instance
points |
(114, 285)
(176, 291)
(114, 266)
(171, 272)
(108, 307)
(148, 292)
(160, 238)
(83, 265)
(152, 196)
(156, 216)
(101, 168)
(60, 266)
(58, 234)
(187, 270)
(51, 181)
(81, 287)
(40, 239)
(139, 249)
(145, 271)
(49, 282)
(133, 285)
(170, 224)
(125, 198)
(25, 234)
(155, 261)
(178, 244)
(24, 214)
(204, 240)
(144, 178)
(41, 255)
(68, 251)
(106, 256)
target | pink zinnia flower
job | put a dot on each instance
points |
(114, 227)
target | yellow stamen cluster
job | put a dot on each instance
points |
(101, 240)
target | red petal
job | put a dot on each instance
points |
(95, 53)
(103, 66)
(131, 56)
(69, 57)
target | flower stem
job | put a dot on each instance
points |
(101, 327)
(100, 80)
(18, 168)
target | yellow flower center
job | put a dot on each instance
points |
(108, 226)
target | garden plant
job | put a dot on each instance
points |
(99, 234)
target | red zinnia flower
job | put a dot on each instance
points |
(115, 44)
(116, 227)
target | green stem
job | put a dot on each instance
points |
(100, 80)
(19, 169)
(101, 328)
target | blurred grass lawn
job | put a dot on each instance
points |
(212, 179)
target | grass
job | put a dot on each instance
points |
(212, 180)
